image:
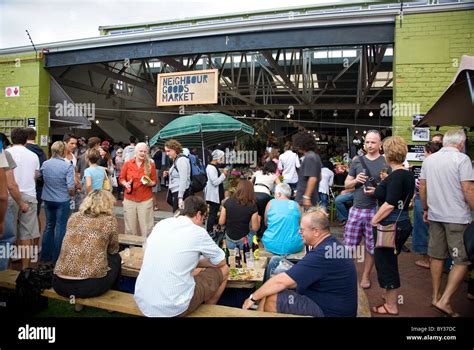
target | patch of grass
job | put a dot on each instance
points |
(58, 308)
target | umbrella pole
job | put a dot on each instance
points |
(469, 84)
(202, 145)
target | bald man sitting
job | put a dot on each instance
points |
(322, 284)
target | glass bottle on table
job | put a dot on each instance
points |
(238, 257)
(226, 252)
(246, 249)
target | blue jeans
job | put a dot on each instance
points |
(342, 212)
(57, 214)
(8, 238)
(323, 200)
(233, 244)
(272, 266)
(420, 228)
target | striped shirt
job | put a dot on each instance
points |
(165, 286)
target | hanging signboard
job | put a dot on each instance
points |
(416, 153)
(187, 88)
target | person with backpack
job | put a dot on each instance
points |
(179, 175)
(214, 191)
(198, 172)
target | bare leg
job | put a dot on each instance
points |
(270, 303)
(455, 278)
(215, 298)
(436, 267)
(391, 300)
(368, 266)
(25, 260)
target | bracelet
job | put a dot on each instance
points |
(252, 299)
(306, 197)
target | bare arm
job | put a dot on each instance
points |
(310, 186)
(88, 184)
(274, 285)
(266, 213)
(15, 191)
(424, 198)
(382, 213)
(255, 220)
(204, 262)
(222, 217)
(468, 191)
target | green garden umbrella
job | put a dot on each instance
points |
(202, 130)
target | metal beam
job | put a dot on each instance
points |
(124, 78)
(97, 90)
(353, 34)
(173, 63)
(275, 107)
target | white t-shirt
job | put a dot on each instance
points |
(165, 286)
(327, 180)
(27, 163)
(3, 160)
(267, 180)
(288, 163)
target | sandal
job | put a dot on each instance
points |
(445, 313)
(376, 310)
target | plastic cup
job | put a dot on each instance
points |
(250, 259)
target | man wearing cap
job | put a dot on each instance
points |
(214, 190)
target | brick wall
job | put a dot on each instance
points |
(428, 49)
(27, 72)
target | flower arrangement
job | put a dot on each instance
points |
(341, 163)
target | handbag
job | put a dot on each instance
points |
(386, 234)
(106, 184)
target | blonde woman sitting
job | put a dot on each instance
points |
(89, 263)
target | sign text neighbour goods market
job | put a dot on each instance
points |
(187, 88)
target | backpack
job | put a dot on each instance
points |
(198, 173)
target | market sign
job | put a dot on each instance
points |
(187, 88)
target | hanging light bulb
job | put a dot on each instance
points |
(152, 121)
(365, 132)
(371, 114)
(288, 116)
(97, 121)
(357, 131)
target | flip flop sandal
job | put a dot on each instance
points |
(376, 309)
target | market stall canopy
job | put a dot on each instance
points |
(456, 105)
(209, 129)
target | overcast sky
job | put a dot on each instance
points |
(57, 20)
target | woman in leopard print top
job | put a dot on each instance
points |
(89, 263)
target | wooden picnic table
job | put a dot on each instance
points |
(132, 260)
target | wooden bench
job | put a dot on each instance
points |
(131, 240)
(123, 302)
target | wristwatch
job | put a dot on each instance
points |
(252, 299)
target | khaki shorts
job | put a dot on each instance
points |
(28, 227)
(207, 284)
(447, 240)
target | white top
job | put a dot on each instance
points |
(212, 186)
(128, 153)
(444, 171)
(164, 287)
(288, 163)
(3, 160)
(327, 180)
(27, 163)
(267, 180)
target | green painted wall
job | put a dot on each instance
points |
(428, 49)
(28, 72)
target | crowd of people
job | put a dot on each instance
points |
(285, 204)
